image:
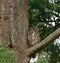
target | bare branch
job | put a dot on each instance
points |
(44, 42)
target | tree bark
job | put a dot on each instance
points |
(19, 31)
(15, 27)
(5, 22)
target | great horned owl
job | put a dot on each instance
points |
(33, 36)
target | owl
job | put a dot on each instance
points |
(33, 36)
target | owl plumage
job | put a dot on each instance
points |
(33, 36)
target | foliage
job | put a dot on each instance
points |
(42, 13)
(42, 60)
(6, 56)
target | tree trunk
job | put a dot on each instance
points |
(21, 30)
(15, 29)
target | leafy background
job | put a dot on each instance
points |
(45, 15)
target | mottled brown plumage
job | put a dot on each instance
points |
(33, 36)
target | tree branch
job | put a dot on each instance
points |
(44, 42)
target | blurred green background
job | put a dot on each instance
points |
(6, 56)
(45, 15)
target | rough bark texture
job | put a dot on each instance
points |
(22, 30)
(4, 22)
(19, 33)
(14, 15)
(1, 24)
